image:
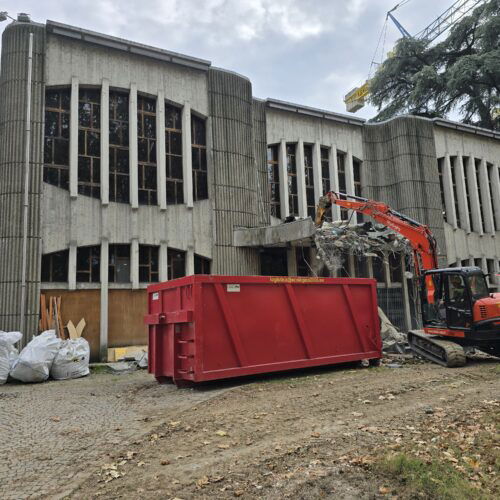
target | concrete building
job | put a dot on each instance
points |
(147, 165)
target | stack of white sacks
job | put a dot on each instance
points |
(46, 355)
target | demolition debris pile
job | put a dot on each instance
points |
(335, 240)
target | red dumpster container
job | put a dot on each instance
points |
(214, 327)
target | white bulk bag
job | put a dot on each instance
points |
(72, 360)
(36, 358)
(8, 353)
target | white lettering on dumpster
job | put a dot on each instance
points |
(156, 296)
(233, 288)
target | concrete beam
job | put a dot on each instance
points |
(495, 194)
(334, 179)
(449, 195)
(103, 338)
(273, 235)
(477, 223)
(463, 207)
(73, 139)
(283, 174)
(163, 261)
(489, 223)
(134, 160)
(134, 263)
(318, 188)
(187, 161)
(301, 178)
(161, 173)
(105, 142)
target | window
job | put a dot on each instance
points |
(360, 266)
(441, 187)
(477, 164)
(356, 166)
(149, 263)
(291, 168)
(496, 215)
(273, 177)
(478, 263)
(146, 150)
(199, 157)
(325, 170)
(173, 150)
(119, 168)
(465, 263)
(176, 263)
(201, 265)
(467, 196)
(302, 259)
(453, 161)
(89, 143)
(56, 141)
(309, 173)
(119, 264)
(342, 181)
(395, 268)
(88, 264)
(55, 266)
(490, 266)
(378, 267)
(273, 262)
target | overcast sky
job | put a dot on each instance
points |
(305, 51)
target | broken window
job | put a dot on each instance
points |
(291, 168)
(309, 175)
(325, 170)
(56, 140)
(356, 168)
(55, 266)
(395, 268)
(199, 158)
(89, 142)
(273, 177)
(273, 262)
(149, 263)
(201, 265)
(119, 264)
(378, 268)
(88, 264)
(119, 168)
(176, 263)
(146, 150)
(341, 159)
(302, 259)
(360, 266)
(453, 161)
(173, 150)
(441, 187)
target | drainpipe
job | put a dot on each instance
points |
(22, 312)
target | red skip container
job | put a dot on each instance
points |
(214, 327)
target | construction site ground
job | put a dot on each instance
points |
(416, 430)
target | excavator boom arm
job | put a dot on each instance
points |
(419, 235)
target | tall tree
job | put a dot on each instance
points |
(461, 74)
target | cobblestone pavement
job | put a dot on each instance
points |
(52, 435)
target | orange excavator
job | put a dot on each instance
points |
(457, 310)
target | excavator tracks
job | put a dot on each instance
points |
(442, 352)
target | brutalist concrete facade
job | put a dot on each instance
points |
(441, 173)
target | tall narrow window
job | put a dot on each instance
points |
(56, 142)
(360, 266)
(467, 195)
(273, 177)
(477, 165)
(325, 171)
(176, 263)
(146, 150)
(201, 265)
(302, 259)
(88, 264)
(496, 215)
(441, 187)
(309, 174)
(119, 167)
(356, 166)
(453, 164)
(291, 167)
(89, 143)
(55, 266)
(173, 149)
(119, 264)
(199, 158)
(341, 157)
(148, 263)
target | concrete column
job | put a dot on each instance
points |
(406, 295)
(105, 142)
(190, 261)
(103, 339)
(133, 161)
(318, 187)
(163, 261)
(73, 139)
(134, 263)
(477, 223)
(285, 208)
(72, 266)
(349, 183)
(495, 193)
(463, 207)
(489, 223)
(334, 179)
(449, 196)
(387, 270)
(301, 178)
(370, 266)
(187, 161)
(161, 173)
(291, 260)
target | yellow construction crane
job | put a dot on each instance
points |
(356, 98)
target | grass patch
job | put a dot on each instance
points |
(98, 369)
(428, 480)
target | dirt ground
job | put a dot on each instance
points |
(417, 430)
